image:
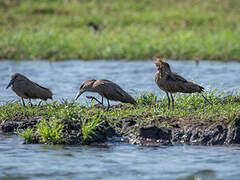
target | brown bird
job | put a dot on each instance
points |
(28, 89)
(171, 82)
(107, 89)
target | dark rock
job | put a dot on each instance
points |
(213, 135)
(155, 133)
(177, 135)
(219, 135)
(11, 126)
(8, 127)
(233, 134)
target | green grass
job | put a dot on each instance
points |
(50, 131)
(27, 134)
(65, 122)
(177, 29)
(89, 126)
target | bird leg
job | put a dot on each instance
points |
(206, 99)
(39, 103)
(168, 100)
(108, 104)
(23, 102)
(93, 98)
(30, 103)
(172, 101)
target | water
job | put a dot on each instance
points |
(64, 78)
(116, 160)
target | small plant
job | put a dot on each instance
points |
(147, 99)
(50, 131)
(27, 134)
(90, 123)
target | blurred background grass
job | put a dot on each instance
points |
(120, 29)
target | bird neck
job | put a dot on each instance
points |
(164, 74)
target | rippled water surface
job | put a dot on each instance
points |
(64, 78)
(116, 160)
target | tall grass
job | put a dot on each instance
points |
(128, 30)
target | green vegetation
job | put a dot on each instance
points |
(177, 29)
(50, 131)
(72, 123)
(27, 134)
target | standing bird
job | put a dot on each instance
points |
(171, 82)
(28, 89)
(107, 89)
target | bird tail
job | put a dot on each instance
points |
(45, 93)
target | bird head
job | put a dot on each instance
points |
(162, 66)
(15, 77)
(86, 86)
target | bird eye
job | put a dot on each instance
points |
(15, 77)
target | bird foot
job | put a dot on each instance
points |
(93, 98)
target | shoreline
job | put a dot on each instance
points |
(149, 123)
(191, 133)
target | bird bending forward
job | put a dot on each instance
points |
(28, 89)
(107, 89)
(171, 82)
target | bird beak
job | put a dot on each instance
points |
(10, 83)
(79, 93)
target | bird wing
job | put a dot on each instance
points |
(112, 91)
(179, 84)
(44, 93)
(176, 77)
(34, 91)
(108, 88)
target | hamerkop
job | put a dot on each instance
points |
(107, 89)
(171, 82)
(28, 89)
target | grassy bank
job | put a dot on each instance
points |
(59, 30)
(71, 123)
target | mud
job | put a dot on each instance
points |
(72, 130)
(185, 130)
(155, 132)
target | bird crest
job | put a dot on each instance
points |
(87, 83)
(158, 61)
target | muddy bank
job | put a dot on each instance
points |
(170, 130)
(72, 131)
(156, 132)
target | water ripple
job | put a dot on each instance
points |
(64, 78)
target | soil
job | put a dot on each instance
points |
(185, 130)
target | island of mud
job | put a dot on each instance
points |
(149, 123)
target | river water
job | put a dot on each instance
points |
(64, 78)
(115, 160)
